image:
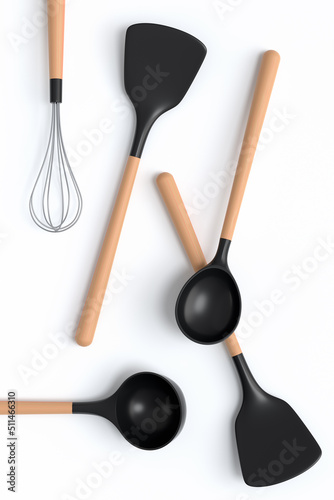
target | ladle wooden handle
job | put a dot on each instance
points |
(34, 407)
(261, 97)
(92, 308)
(56, 20)
(186, 232)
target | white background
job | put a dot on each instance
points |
(288, 207)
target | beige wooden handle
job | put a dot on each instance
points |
(181, 220)
(261, 97)
(56, 18)
(92, 308)
(32, 407)
(186, 232)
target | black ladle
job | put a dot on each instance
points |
(208, 308)
(147, 409)
(160, 66)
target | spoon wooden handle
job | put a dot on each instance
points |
(186, 232)
(36, 407)
(264, 85)
(92, 308)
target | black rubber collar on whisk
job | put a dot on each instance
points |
(56, 90)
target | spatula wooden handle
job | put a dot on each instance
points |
(261, 97)
(56, 20)
(34, 407)
(92, 308)
(178, 213)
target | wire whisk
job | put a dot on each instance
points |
(55, 203)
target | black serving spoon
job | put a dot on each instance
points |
(208, 308)
(274, 445)
(147, 409)
(160, 65)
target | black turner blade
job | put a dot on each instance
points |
(160, 66)
(274, 444)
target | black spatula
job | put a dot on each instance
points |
(160, 65)
(274, 445)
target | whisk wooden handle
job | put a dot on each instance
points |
(92, 308)
(34, 407)
(56, 17)
(262, 93)
(186, 232)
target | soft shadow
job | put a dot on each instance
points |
(232, 443)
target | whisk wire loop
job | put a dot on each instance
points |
(55, 186)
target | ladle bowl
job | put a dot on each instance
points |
(146, 409)
(209, 305)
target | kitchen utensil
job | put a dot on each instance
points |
(209, 305)
(160, 65)
(55, 203)
(147, 409)
(274, 445)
